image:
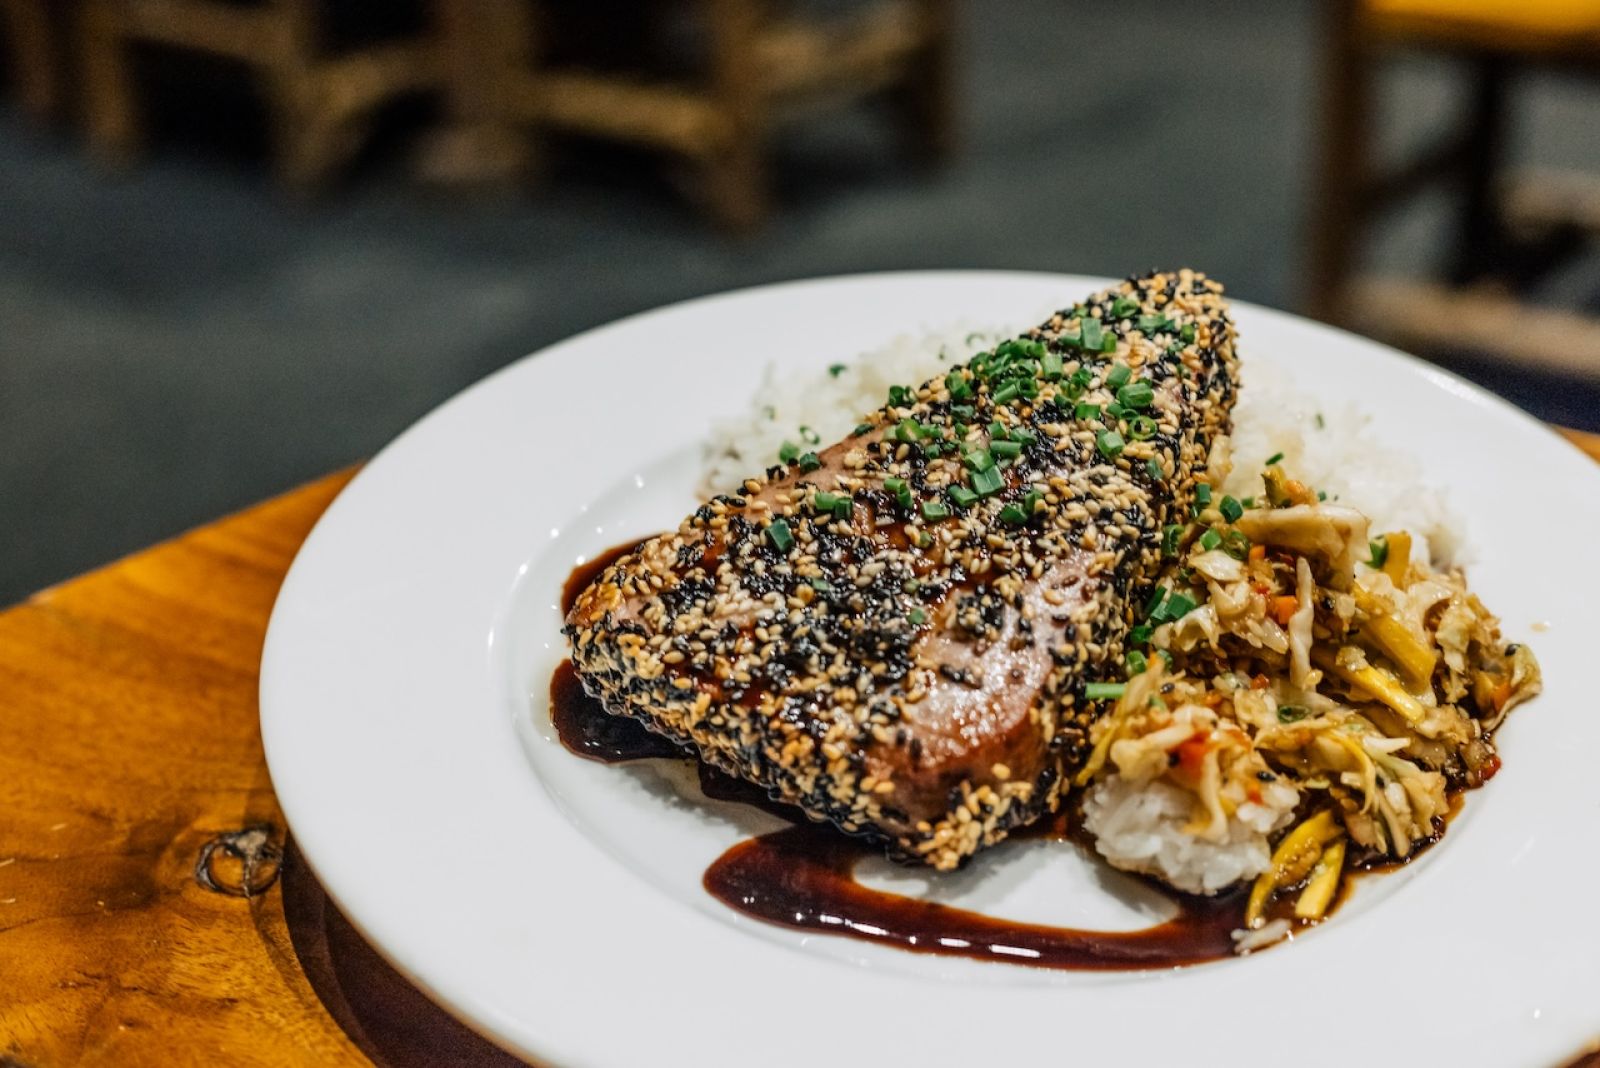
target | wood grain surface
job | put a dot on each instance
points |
(152, 909)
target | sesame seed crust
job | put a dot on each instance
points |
(895, 634)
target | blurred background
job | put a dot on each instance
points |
(246, 242)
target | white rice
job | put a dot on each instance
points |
(1138, 827)
(1141, 827)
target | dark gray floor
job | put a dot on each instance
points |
(180, 341)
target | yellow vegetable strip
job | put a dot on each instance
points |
(1396, 641)
(1293, 858)
(1399, 557)
(1376, 682)
(1318, 894)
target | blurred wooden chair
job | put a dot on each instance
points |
(1511, 230)
(317, 98)
(31, 40)
(764, 66)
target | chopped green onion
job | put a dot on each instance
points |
(1176, 607)
(1118, 376)
(1140, 634)
(957, 384)
(934, 511)
(809, 461)
(1157, 595)
(1169, 540)
(1113, 413)
(1166, 658)
(835, 370)
(997, 429)
(900, 396)
(963, 496)
(1024, 437)
(1141, 428)
(1322, 495)
(809, 436)
(1110, 444)
(988, 482)
(901, 491)
(917, 616)
(1123, 307)
(1093, 334)
(861, 428)
(1136, 395)
(1104, 691)
(1108, 344)
(828, 502)
(1249, 502)
(1050, 366)
(788, 451)
(780, 537)
(1007, 393)
(1236, 545)
(1008, 449)
(1321, 424)
(1202, 493)
(1380, 553)
(1153, 467)
(821, 585)
(1151, 324)
(1231, 509)
(1274, 458)
(1013, 514)
(1210, 540)
(1187, 333)
(1291, 714)
(1086, 410)
(1137, 663)
(979, 459)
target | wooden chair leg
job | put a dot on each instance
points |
(1481, 245)
(925, 100)
(1343, 167)
(736, 175)
(32, 56)
(111, 114)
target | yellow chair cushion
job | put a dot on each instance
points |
(1515, 18)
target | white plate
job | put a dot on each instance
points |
(556, 904)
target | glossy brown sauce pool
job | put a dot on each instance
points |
(588, 730)
(803, 877)
(586, 573)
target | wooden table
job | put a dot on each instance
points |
(152, 908)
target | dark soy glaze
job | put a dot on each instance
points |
(584, 574)
(802, 877)
(588, 730)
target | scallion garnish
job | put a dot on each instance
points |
(1118, 376)
(809, 436)
(1210, 540)
(1136, 395)
(1169, 540)
(900, 396)
(1013, 514)
(1236, 545)
(1187, 333)
(901, 491)
(779, 535)
(809, 461)
(1291, 714)
(935, 511)
(1152, 466)
(827, 502)
(1140, 634)
(1379, 548)
(1274, 458)
(1024, 437)
(1231, 509)
(1151, 324)
(1176, 607)
(979, 459)
(861, 428)
(787, 452)
(1110, 444)
(1010, 450)
(1104, 691)
(1093, 334)
(1050, 366)
(957, 384)
(1086, 410)
(1123, 307)
(988, 482)
(1141, 428)
(835, 370)
(821, 585)
(1136, 663)
(917, 616)
(1202, 493)
(1157, 595)
(963, 497)
(1007, 393)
